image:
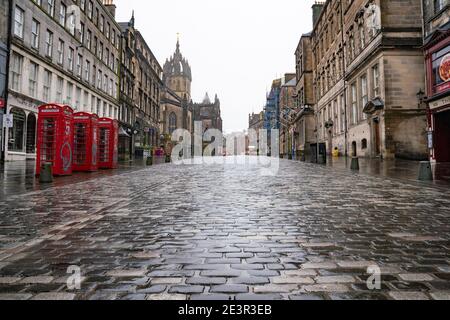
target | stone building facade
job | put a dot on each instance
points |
(62, 51)
(140, 88)
(367, 72)
(288, 107)
(208, 113)
(256, 123)
(437, 61)
(303, 126)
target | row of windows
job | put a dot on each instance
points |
(103, 54)
(359, 95)
(48, 87)
(92, 13)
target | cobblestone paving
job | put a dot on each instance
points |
(226, 232)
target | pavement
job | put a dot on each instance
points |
(227, 232)
(19, 176)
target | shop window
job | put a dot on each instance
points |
(441, 70)
(16, 133)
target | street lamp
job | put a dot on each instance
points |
(421, 97)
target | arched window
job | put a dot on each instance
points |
(172, 122)
(364, 144)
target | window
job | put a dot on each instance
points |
(100, 51)
(105, 83)
(79, 65)
(33, 78)
(17, 132)
(376, 81)
(364, 144)
(97, 16)
(108, 30)
(111, 62)
(51, 7)
(38, 2)
(71, 56)
(95, 45)
(62, 14)
(49, 43)
(72, 24)
(47, 85)
(102, 24)
(364, 95)
(439, 5)
(342, 114)
(87, 70)
(172, 122)
(90, 9)
(107, 57)
(94, 75)
(99, 107)
(111, 85)
(439, 62)
(85, 102)
(77, 98)
(35, 34)
(18, 22)
(60, 52)
(99, 79)
(16, 71)
(59, 89)
(89, 40)
(82, 33)
(82, 5)
(69, 93)
(354, 104)
(113, 37)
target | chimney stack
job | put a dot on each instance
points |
(317, 10)
(109, 4)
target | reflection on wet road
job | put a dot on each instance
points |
(225, 231)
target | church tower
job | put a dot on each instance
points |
(177, 74)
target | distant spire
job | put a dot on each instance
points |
(178, 42)
(132, 20)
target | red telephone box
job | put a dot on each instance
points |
(85, 144)
(55, 138)
(108, 143)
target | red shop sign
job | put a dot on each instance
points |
(2, 103)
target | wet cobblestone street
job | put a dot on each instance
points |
(227, 232)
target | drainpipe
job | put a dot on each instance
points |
(345, 82)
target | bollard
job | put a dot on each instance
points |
(149, 161)
(355, 164)
(425, 172)
(46, 175)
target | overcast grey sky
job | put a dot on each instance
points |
(235, 47)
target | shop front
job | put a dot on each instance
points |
(438, 83)
(20, 131)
